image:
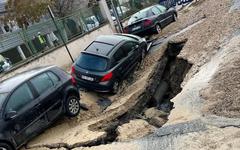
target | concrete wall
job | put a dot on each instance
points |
(60, 57)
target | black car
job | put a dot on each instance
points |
(107, 61)
(150, 20)
(31, 101)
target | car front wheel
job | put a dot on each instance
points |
(72, 106)
(175, 17)
(5, 146)
(158, 29)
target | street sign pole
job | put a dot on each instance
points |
(54, 21)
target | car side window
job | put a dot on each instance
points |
(156, 11)
(162, 8)
(20, 98)
(54, 78)
(128, 47)
(119, 55)
(42, 83)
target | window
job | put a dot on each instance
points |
(119, 55)
(138, 16)
(20, 98)
(99, 47)
(128, 47)
(54, 77)
(2, 98)
(156, 11)
(162, 8)
(42, 83)
(92, 62)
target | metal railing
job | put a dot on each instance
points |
(43, 36)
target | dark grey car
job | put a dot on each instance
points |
(107, 61)
(33, 100)
(150, 20)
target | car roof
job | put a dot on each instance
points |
(111, 40)
(11, 83)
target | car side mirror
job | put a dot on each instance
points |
(10, 115)
(136, 47)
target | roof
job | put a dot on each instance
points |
(105, 44)
(11, 83)
(110, 39)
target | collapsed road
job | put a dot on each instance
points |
(190, 68)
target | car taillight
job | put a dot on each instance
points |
(73, 71)
(73, 74)
(147, 22)
(107, 77)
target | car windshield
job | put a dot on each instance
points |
(2, 98)
(92, 62)
(138, 16)
(99, 47)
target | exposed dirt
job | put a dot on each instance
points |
(223, 94)
(213, 49)
(206, 40)
(135, 129)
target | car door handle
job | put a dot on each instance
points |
(37, 105)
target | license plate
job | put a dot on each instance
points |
(87, 78)
(136, 28)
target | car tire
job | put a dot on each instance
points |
(158, 29)
(115, 87)
(143, 54)
(175, 17)
(5, 146)
(72, 106)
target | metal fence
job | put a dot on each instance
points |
(41, 37)
(126, 8)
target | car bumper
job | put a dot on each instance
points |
(143, 32)
(93, 86)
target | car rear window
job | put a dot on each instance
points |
(98, 47)
(138, 16)
(92, 62)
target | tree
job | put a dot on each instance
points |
(62, 8)
(25, 11)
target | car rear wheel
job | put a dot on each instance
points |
(5, 146)
(72, 106)
(158, 29)
(115, 87)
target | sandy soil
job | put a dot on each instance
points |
(212, 85)
(135, 129)
(84, 129)
(206, 40)
(223, 94)
(214, 138)
(212, 48)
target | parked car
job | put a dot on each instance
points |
(33, 100)
(107, 61)
(92, 22)
(122, 10)
(150, 20)
(5, 64)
